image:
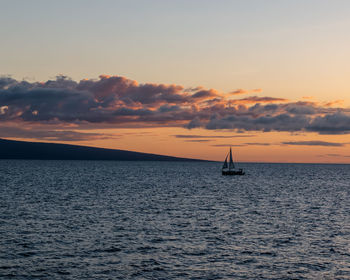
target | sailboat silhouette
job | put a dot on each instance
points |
(229, 167)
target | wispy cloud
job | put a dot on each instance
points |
(228, 145)
(244, 144)
(258, 99)
(258, 144)
(335, 155)
(198, 140)
(244, 91)
(213, 136)
(314, 143)
(52, 135)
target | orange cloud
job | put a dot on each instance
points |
(333, 103)
(257, 99)
(243, 91)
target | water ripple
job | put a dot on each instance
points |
(151, 220)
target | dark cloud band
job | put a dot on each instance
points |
(118, 101)
(314, 143)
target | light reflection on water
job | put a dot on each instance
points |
(172, 220)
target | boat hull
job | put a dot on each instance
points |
(233, 172)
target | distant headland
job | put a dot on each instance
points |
(10, 149)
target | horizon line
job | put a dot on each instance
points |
(175, 157)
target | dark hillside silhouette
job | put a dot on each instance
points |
(10, 149)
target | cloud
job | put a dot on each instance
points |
(228, 145)
(337, 123)
(110, 100)
(243, 145)
(258, 144)
(243, 91)
(198, 140)
(333, 103)
(212, 136)
(314, 143)
(281, 122)
(205, 94)
(195, 123)
(6, 82)
(3, 110)
(301, 108)
(334, 155)
(115, 101)
(193, 89)
(52, 135)
(258, 99)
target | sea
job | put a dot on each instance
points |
(173, 220)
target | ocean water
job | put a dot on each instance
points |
(173, 220)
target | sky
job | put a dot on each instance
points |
(182, 78)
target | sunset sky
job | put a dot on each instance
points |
(181, 78)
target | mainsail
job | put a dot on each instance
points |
(231, 165)
(225, 163)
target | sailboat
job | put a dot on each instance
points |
(229, 168)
